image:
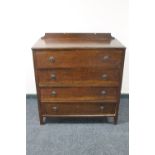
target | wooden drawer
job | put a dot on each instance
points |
(78, 109)
(110, 58)
(80, 94)
(77, 74)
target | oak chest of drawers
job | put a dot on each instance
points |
(78, 75)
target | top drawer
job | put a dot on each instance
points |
(109, 58)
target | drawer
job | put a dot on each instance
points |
(78, 93)
(78, 108)
(77, 74)
(79, 58)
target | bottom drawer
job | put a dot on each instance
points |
(78, 108)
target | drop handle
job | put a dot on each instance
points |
(103, 92)
(53, 77)
(53, 93)
(55, 108)
(51, 59)
(102, 107)
(106, 57)
(104, 76)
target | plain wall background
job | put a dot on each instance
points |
(20, 28)
(74, 16)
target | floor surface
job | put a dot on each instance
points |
(77, 136)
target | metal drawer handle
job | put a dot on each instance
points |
(104, 76)
(55, 108)
(106, 57)
(53, 93)
(53, 76)
(103, 92)
(51, 59)
(102, 107)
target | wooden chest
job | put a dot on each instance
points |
(78, 75)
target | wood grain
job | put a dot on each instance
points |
(78, 74)
(79, 58)
(77, 41)
(79, 109)
(74, 70)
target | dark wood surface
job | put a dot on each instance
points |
(85, 93)
(90, 83)
(78, 109)
(78, 75)
(77, 41)
(79, 58)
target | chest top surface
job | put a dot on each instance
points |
(77, 41)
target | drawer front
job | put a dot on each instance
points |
(78, 93)
(78, 108)
(79, 58)
(77, 74)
